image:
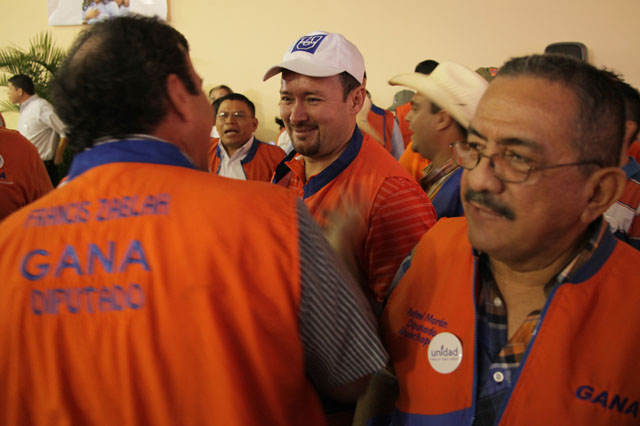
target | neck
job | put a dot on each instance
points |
(315, 165)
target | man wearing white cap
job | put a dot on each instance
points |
(442, 108)
(335, 171)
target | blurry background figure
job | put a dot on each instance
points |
(216, 93)
(412, 162)
(238, 154)
(380, 125)
(23, 177)
(39, 123)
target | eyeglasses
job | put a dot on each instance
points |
(238, 115)
(506, 165)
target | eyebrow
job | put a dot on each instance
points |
(309, 93)
(508, 141)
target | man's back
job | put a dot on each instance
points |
(134, 307)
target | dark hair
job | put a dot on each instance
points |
(426, 67)
(233, 97)
(436, 109)
(220, 87)
(599, 122)
(113, 81)
(24, 82)
(349, 83)
(630, 97)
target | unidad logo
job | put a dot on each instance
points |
(309, 44)
(445, 353)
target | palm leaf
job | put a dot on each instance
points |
(40, 61)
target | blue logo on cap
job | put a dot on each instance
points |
(309, 43)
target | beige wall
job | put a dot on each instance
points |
(234, 42)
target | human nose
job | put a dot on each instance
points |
(298, 112)
(482, 177)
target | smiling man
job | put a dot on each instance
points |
(337, 173)
(239, 154)
(524, 311)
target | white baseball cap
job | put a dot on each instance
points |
(453, 87)
(321, 54)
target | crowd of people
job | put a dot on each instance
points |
(470, 258)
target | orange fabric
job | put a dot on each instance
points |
(383, 125)
(23, 176)
(401, 114)
(566, 378)
(260, 167)
(387, 232)
(162, 306)
(413, 162)
(634, 150)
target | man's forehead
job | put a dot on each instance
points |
(233, 104)
(526, 107)
(317, 83)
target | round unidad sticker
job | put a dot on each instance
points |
(445, 353)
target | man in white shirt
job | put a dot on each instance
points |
(238, 154)
(39, 123)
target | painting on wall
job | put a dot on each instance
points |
(81, 12)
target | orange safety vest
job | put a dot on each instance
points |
(382, 121)
(401, 114)
(140, 294)
(580, 368)
(259, 164)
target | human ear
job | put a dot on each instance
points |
(606, 186)
(178, 97)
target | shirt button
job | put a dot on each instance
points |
(497, 301)
(498, 377)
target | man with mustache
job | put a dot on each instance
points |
(336, 172)
(238, 154)
(524, 311)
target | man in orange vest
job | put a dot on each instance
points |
(238, 154)
(336, 172)
(523, 312)
(146, 291)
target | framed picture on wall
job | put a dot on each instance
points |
(81, 12)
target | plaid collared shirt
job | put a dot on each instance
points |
(498, 356)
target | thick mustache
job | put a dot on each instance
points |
(486, 200)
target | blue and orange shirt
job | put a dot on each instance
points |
(394, 210)
(259, 163)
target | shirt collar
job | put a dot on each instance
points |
(632, 168)
(28, 101)
(133, 149)
(295, 163)
(240, 153)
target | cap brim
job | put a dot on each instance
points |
(301, 66)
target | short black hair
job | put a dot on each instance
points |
(113, 81)
(349, 83)
(233, 97)
(24, 82)
(426, 67)
(599, 122)
(630, 97)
